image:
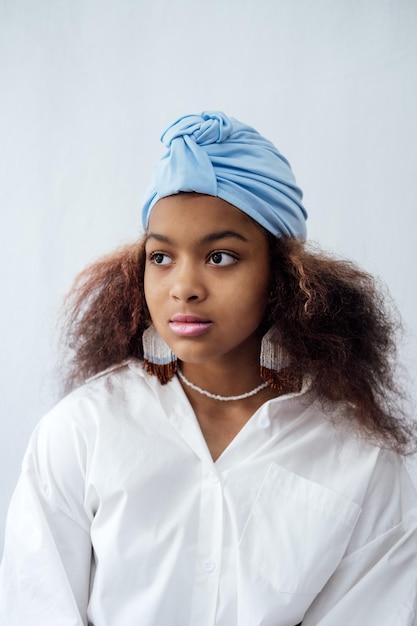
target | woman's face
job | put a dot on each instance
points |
(206, 278)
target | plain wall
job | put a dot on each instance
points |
(87, 86)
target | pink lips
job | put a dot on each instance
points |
(188, 325)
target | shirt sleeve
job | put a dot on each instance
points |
(376, 581)
(45, 571)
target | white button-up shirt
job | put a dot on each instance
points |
(122, 518)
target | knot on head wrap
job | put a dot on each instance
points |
(219, 156)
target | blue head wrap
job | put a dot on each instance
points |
(219, 156)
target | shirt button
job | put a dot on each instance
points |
(213, 478)
(264, 421)
(209, 566)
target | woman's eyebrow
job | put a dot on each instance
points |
(222, 234)
(211, 237)
(160, 238)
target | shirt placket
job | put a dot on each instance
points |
(209, 549)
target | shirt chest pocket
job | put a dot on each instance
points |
(297, 532)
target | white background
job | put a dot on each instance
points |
(86, 87)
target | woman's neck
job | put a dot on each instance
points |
(223, 379)
(220, 421)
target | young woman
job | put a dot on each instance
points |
(234, 457)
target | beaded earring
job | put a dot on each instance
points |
(158, 358)
(275, 361)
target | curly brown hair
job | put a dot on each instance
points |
(335, 322)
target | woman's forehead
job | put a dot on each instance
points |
(190, 210)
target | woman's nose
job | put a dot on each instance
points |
(187, 284)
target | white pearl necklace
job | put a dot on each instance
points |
(214, 396)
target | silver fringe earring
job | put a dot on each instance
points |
(158, 358)
(275, 362)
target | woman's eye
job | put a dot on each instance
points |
(222, 258)
(158, 258)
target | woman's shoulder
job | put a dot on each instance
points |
(92, 415)
(338, 446)
(113, 383)
(115, 378)
(119, 391)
